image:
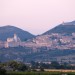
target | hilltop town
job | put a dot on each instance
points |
(52, 41)
(54, 45)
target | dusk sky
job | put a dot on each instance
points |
(36, 16)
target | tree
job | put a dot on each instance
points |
(18, 66)
(2, 71)
(55, 64)
(46, 66)
(22, 67)
(41, 69)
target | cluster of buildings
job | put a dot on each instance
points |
(10, 42)
(52, 41)
(56, 41)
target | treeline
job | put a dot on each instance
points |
(32, 66)
(52, 65)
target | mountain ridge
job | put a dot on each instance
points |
(51, 46)
(9, 31)
(68, 27)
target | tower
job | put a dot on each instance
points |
(63, 23)
(15, 37)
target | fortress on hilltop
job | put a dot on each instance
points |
(13, 42)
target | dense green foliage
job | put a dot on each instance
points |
(40, 73)
(2, 71)
(53, 65)
(19, 68)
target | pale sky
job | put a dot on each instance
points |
(36, 16)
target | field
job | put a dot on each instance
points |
(49, 72)
(34, 73)
(60, 70)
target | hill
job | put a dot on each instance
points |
(51, 46)
(26, 54)
(67, 28)
(8, 31)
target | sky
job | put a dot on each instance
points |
(36, 16)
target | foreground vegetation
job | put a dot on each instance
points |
(41, 73)
(36, 68)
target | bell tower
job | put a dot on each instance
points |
(15, 37)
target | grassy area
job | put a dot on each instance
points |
(34, 73)
(41, 73)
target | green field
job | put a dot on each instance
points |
(41, 73)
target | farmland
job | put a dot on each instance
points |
(51, 72)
